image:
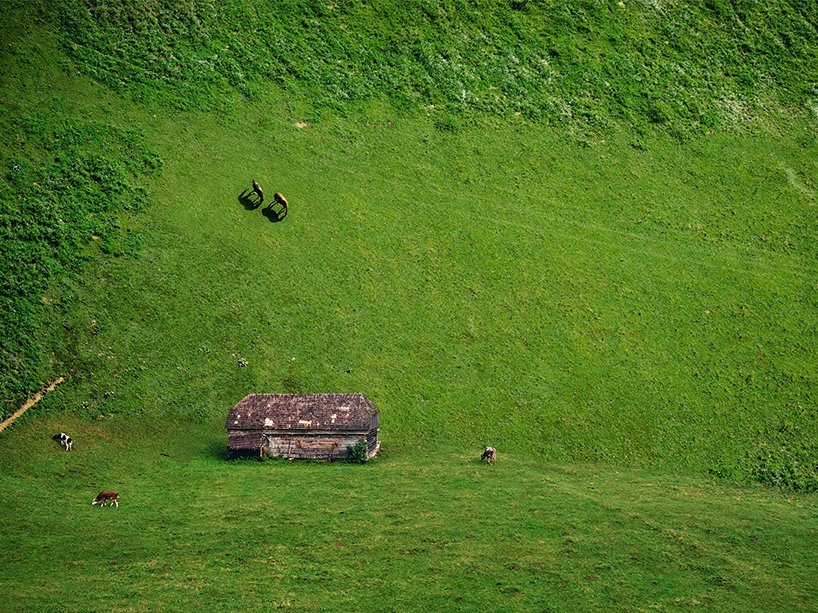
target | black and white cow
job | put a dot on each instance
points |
(64, 440)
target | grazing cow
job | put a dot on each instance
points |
(259, 193)
(279, 197)
(103, 497)
(489, 455)
(64, 440)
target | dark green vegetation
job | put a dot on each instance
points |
(616, 286)
(356, 454)
(67, 186)
(584, 65)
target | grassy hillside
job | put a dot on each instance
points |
(69, 187)
(621, 298)
(474, 298)
(583, 233)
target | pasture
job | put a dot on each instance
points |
(432, 529)
(603, 303)
(627, 309)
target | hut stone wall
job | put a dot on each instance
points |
(309, 445)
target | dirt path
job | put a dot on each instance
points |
(31, 402)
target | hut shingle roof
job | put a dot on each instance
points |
(304, 412)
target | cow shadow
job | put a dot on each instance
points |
(249, 200)
(215, 449)
(272, 214)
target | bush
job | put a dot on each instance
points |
(356, 454)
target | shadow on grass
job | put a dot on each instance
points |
(215, 449)
(478, 461)
(249, 200)
(271, 214)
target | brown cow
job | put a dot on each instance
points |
(489, 455)
(259, 192)
(279, 197)
(107, 496)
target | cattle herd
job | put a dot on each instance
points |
(112, 498)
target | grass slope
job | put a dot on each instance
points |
(437, 530)
(611, 304)
(68, 190)
(638, 302)
(623, 300)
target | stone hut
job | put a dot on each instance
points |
(302, 426)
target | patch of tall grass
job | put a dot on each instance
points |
(67, 190)
(681, 67)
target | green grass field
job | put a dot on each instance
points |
(626, 306)
(433, 530)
